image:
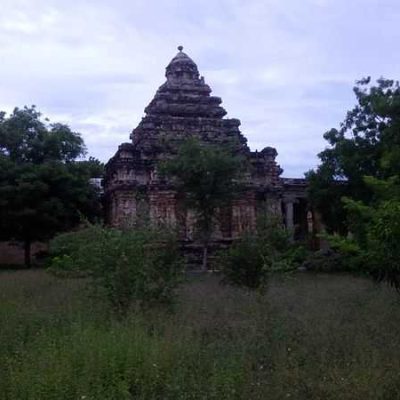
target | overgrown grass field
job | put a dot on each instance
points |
(308, 337)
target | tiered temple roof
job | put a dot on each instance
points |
(183, 107)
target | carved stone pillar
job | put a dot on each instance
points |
(289, 222)
(190, 225)
(310, 222)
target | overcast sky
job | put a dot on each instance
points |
(285, 68)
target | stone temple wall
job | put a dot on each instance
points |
(183, 107)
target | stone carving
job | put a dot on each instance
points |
(184, 107)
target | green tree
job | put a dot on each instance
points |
(24, 137)
(375, 230)
(207, 176)
(358, 181)
(44, 188)
(366, 144)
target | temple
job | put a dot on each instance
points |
(184, 107)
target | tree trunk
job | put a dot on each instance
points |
(27, 253)
(204, 264)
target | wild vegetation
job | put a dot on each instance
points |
(308, 337)
(256, 256)
(135, 267)
(367, 144)
(357, 185)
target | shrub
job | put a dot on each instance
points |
(325, 260)
(242, 264)
(382, 249)
(343, 255)
(142, 266)
(256, 255)
(372, 248)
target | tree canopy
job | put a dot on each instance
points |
(367, 143)
(357, 185)
(25, 137)
(44, 187)
(207, 175)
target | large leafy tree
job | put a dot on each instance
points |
(376, 230)
(367, 143)
(358, 181)
(207, 176)
(44, 188)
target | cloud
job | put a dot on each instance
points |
(284, 67)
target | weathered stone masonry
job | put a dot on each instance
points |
(183, 107)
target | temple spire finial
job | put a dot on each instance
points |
(180, 48)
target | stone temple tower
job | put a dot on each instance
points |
(183, 107)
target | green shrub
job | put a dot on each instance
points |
(374, 246)
(135, 266)
(343, 255)
(382, 252)
(325, 260)
(251, 259)
(242, 264)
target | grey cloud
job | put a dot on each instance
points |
(285, 68)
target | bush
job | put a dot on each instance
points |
(251, 259)
(374, 247)
(383, 242)
(242, 264)
(343, 255)
(141, 266)
(325, 260)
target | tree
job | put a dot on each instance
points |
(366, 144)
(207, 176)
(375, 227)
(25, 138)
(44, 189)
(365, 158)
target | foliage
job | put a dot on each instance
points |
(383, 242)
(44, 189)
(25, 138)
(366, 144)
(242, 264)
(377, 233)
(327, 260)
(91, 167)
(343, 255)
(207, 177)
(252, 258)
(361, 169)
(372, 245)
(141, 266)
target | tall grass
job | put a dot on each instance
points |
(308, 337)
